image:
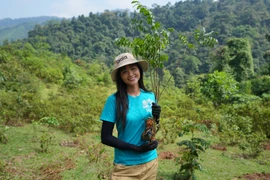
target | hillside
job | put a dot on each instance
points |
(53, 86)
(92, 37)
(14, 29)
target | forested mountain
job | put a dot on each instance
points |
(13, 29)
(92, 37)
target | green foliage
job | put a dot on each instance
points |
(236, 57)
(193, 89)
(15, 29)
(189, 160)
(4, 56)
(3, 136)
(167, 81)
(99, 71)
(241, 59)
(176, 107)
(191, 64)
(233, 128)
(3, 172)
(43, 69)
(253, 143)
(42, 84)
(46, 140)
(219, 87)
(201, 38)
(2, 77)
(245, 87)
(260, 85)
(90, 37)
(150, 45)
(95, 152)
(72, 78)
(74, 109)
(245, 125)
(14, 107)
(49, 121)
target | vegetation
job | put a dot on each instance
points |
(15, 29)
(53, 86)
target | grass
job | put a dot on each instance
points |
(83, 157)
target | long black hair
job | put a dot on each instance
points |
(122, 96)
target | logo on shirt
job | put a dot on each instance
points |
(147, 105)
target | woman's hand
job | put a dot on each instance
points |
(156, 109)
(146, 147)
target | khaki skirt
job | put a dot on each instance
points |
(147, 171)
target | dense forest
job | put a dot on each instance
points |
(92, 37)
(217, 72)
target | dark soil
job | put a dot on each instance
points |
(219, 147)
(255, 176)
(166, 155)
(266, 146)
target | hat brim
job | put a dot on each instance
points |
(144, 65)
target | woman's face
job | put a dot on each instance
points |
(130, 74)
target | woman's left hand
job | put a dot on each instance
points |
(156, 110)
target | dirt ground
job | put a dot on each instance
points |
(166, 155)
(255, 176)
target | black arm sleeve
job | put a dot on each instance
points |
(110, 140)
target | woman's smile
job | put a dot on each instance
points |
(130, 74)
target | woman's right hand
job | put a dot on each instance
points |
(146, 147)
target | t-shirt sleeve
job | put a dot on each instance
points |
(109, 110)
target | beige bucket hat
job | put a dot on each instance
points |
(125, 59)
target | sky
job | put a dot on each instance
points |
(15, 9)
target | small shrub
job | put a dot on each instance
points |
(219, 87)
(3, 172)
(97, 155)
(253, 144)
(46, 140)
(3, 136)
(49, 121)
(189, 160)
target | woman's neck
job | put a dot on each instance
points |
(133, 91)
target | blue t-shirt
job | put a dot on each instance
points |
(140, 109)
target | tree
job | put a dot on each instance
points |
(151, 45)
(219, 87)
(241, 60)
(179, 77)
(190, 64)
(235, 58)
(266, 55)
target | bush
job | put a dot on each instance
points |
(261, 85)
(219, 87)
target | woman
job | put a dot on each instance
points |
(129, 108)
